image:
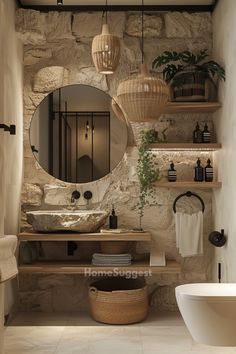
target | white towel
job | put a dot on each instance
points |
(8, 265)
(189, 233)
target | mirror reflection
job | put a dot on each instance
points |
(75, 136)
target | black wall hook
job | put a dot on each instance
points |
(11, 128)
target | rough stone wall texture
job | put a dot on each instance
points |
(56, 53)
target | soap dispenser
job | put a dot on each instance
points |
(206, 135)
(199, 175)
(113, 219)
(172, 175)
(208, 172)
(197, 135)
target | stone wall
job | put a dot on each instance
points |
(57, 52)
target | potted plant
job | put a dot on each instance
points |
(147, 172)
(189, 74)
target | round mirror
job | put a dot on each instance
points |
(75, 135)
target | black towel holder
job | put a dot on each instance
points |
(188, 194)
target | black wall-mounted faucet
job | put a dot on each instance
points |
(75, 196)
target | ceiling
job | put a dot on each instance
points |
(118, 2)
(118, 5)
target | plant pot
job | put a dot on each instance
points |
(190, 85)
(115, 247)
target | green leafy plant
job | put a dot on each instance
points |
(210, 69)
(147, 172)
(154, 136)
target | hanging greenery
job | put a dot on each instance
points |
(147, 172)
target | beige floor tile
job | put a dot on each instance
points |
(165, 338)
(77, 333)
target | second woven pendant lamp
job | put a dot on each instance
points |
(143, 96)
(106, 50)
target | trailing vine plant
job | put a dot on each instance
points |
(147, 172)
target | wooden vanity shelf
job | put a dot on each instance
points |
(192, 107)
(125, 236)
(185, 147)
(188, 184)
(74, 267)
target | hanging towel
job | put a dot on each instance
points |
(8, 265)
(189, 233)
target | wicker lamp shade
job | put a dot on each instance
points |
(143, 97)
(117, 110)
(106, 51)
(120, 115)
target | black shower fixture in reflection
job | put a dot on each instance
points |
(87, 129)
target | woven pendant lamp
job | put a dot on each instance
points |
(106, 50)
(142, 97)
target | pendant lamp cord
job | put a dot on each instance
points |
(142, 21)
(106, 12)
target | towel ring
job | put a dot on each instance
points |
(188, 194)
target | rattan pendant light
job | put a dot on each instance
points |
(142, 97)
(106, 50)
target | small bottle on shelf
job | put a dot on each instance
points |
(208, 172)
(197, 135)
(172, 175)
(199, 175)
(206, 135)
(113, 219)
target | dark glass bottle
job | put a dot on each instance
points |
(206, 135)
(199, 174)
(172, 175)
(197, 135)
(208, 172)
(113, 219)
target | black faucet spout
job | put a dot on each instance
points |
(75, 196)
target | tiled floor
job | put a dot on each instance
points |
(78, 334)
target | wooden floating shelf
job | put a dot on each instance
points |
(189, 184)
(128, 236)
(192, 107)
(85, 269)
(185, 147)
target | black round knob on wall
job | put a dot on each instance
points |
(217, 238)
(88, 195)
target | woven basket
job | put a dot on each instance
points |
(106, 51)
(118, 300)
(143, 97)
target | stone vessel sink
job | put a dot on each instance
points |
(67, 220)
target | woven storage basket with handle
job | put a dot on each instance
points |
(118, 300)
